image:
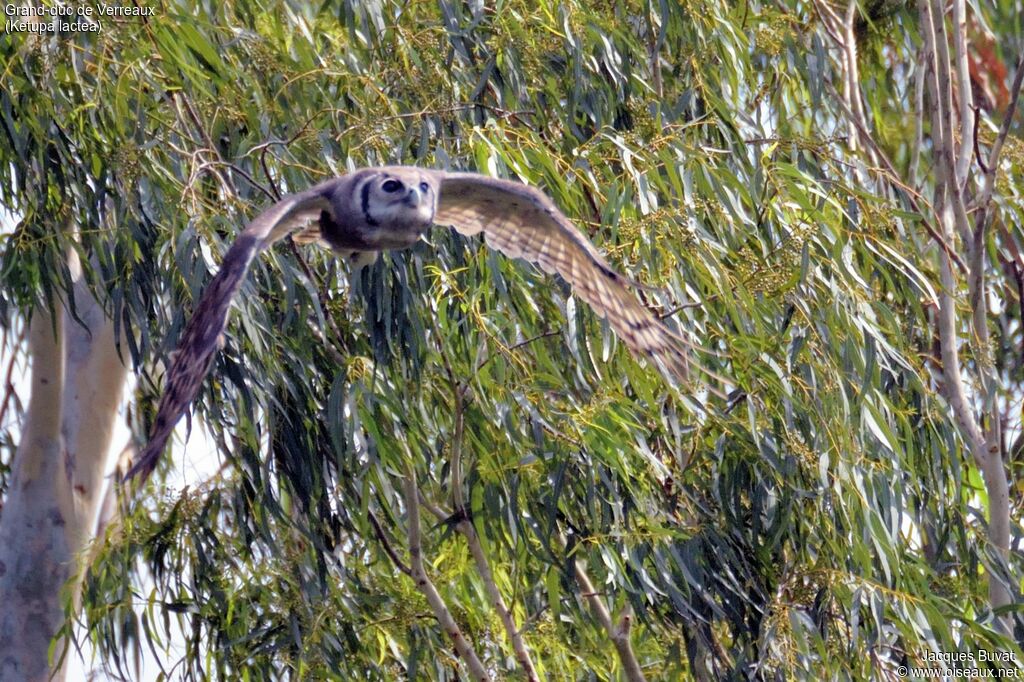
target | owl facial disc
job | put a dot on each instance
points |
(401, 199)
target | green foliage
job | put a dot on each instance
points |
(823, 523)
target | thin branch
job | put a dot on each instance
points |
(939, 134)
(653, 56)
(944, 167)
(1015, 89)
(263, 146)
(948, 336)
(466, 528)
(829, 20)
(853, 74)
(1018, 276)
(229, 186)
(464, 525)
(952, 168)
(109, 512)
(618, 633)
(977, 144)
(9, 389)
(498, 111)
(436, 511)
(964, 93)
(321, 293)
(893, 177)
(424, 585)
(988, 181)
(682, 306)
(841, 31)
(1016, 262)
(252, 181)
(458, 503)
(947, 115)
(337, 357)
(919, 82)
(483, 363)
(386, 544)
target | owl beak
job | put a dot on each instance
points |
(413, 198)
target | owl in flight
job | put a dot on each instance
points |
(374, 209)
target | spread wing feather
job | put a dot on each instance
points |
(522, 222)
(515, 219)
(201, 338)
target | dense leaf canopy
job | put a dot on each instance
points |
(821, 522)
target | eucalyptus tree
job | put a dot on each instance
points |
(443, 466)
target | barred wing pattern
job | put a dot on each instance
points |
(201, 338)
(522, 222)
(515, 219)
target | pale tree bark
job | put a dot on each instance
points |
(979, 419)
(972, 396)
(841, 30)
(34, 552)
(57, 480)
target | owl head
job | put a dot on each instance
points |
(378, 208)
(402, 198)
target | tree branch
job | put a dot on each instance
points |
(9, 390)
(984, 443)
(94, 378)
(965, 94)
(386, 544)
(988, 181)
(424, 585)
(947, 115)
(618, 633)
(919, 82)
(468, 530)
(893, 177)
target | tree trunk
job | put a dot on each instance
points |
(57, 481)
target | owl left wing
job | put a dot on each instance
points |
(522, 222)
(201, 338)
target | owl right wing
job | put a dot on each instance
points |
(201, 338)
(522, 222)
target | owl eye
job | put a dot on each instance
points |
(424, 187)
(391, 186)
